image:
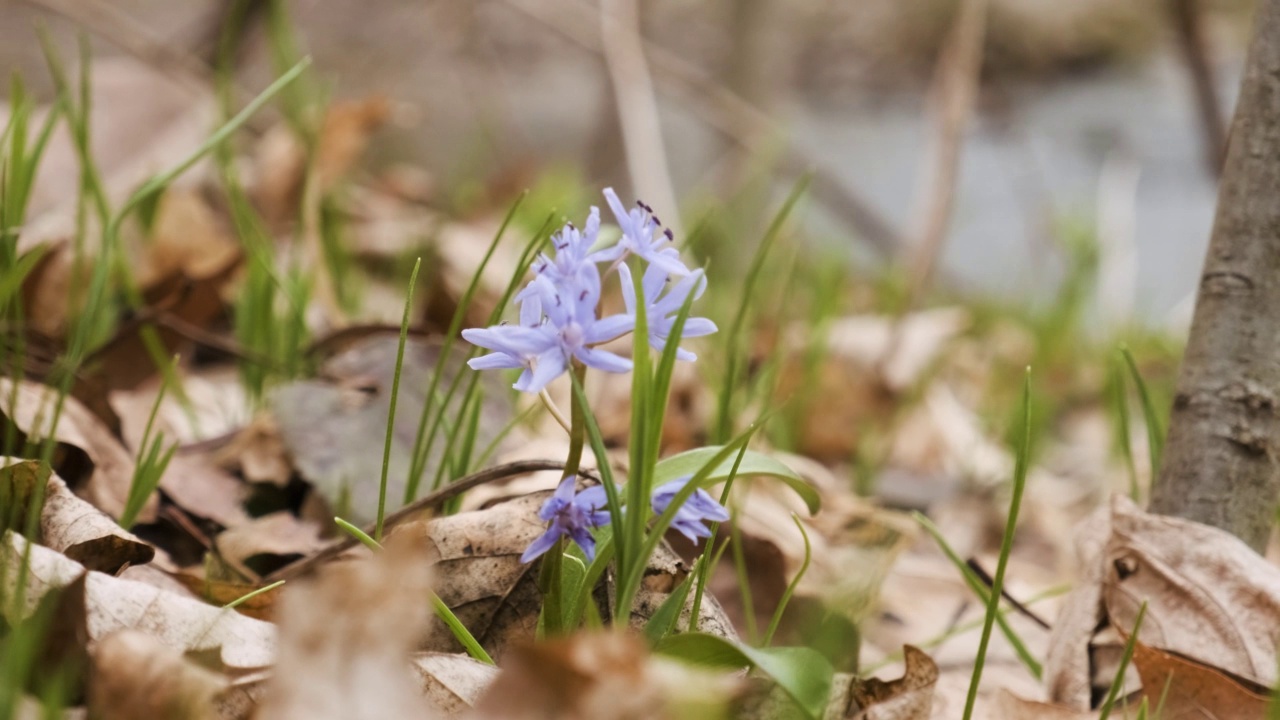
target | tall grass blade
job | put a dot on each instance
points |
(733, 341)
(1155, 429)
(1006, 546)
(395, 394)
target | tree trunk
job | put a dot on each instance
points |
(1220, 464)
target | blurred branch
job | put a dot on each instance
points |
(637, 107)
(730, 115)
(1188, 20)
(134, 38)
(955, 89)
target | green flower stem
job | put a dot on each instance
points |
(551, 576)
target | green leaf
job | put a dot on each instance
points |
(664, 619)
(803, 673)
(753, 463)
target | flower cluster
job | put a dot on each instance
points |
(575, 514)
(559, 320)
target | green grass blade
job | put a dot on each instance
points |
(395, 393)
(733, 342)
(791, 587)
(1117, 683)
(446, 615)
(1119, 402)
(253, 594)
(984, 595)
(1155, 430)
(1006, 546)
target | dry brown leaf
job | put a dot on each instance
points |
(451, 682)
(602, 676)
(132, 140)
(269, 542)
(219, 406)
(346, 637)
(258, 453)
(74, 527)
(868, 360)
(221, 592)
(334, 427)
(281, 159)
(910, 697)
(461, 248)
(1189, 690)
(1012, 707)
(136, 676)
(82, 437)
(111, 604)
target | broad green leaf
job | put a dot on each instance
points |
(803, 673)
(753, 463)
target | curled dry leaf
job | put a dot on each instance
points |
(135, 676)
(602, 676)
(345, 640)
(910, 697)
(110, 604)
(89, 457)
(1209, 597)
(72, 526)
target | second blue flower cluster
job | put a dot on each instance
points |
(575, 514)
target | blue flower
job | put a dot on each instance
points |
(557, 323)
(641, 236)
(531, 345)
(571, 314)
(573, 515)
(697, 507)
(572, 252)
(660, 314)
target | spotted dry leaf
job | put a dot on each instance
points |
(909, 697)
(1209, 598)
(108, 604)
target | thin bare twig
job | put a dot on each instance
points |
(1018, 605)
(122, 30)
(637, 107)
(431, 500)
(956, 83)
(1188, 20)
(730, 115)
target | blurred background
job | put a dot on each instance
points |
(1092, 118)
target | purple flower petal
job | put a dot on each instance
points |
(544, 543)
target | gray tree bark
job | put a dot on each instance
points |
(1220, 463)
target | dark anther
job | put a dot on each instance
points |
(582, 296)
(670, 235)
